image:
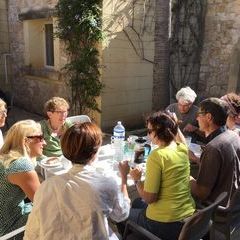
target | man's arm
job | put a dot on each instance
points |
(199, 191)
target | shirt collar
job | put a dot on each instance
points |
(215, 133)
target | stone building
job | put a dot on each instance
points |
(204, 53)
(4, 46)
(126, 58)
(220, 59)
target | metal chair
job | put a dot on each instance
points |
(226, 221)
(194, 228)
(13, 234)
(79, 119)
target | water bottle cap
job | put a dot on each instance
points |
(119, 122)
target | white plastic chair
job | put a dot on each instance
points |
(13, 233)
(79, 118)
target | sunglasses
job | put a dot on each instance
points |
(40, 138)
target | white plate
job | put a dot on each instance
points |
(196, 149)
(45, 163)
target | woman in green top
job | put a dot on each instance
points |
(18, 179)
(165, 191)
(56, 111)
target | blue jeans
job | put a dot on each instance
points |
(165, 231)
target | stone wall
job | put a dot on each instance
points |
(186, 43)
(127, 59)
(32, 86)
(219, 71)
(4, 48)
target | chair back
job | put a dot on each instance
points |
(13, 234)
(135, 232)
(199, 223)
(234, 206)
(79, 119)
(226, 220)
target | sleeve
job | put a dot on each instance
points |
(20, 165)
(153, 173)
(121, 205)
(170, 108)
(210, 163)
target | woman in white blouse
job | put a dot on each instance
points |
(76, 205)
(3, 115)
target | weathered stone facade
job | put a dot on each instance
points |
(126, 56)
(219, 72)
(4, 48)
(32, 86)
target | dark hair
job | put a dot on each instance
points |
(164, 126)
(233, 101)
(81, 142)
(218, 109)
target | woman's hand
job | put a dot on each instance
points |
(136, 173)
(123, 169)
(193, 157)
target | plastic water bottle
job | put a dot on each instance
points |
(119, 137)
(119, 131)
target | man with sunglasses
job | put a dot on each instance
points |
(220, 159)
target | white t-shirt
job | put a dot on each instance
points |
(76, 205)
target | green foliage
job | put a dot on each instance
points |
(79, 26)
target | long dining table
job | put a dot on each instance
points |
(104, 164)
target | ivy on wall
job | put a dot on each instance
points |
(186, 42)
(79, 26)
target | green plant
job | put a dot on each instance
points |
(79, 26)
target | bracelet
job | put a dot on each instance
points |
(137, 181)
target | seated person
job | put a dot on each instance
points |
(3, 115)
(80, 201)
(219, 169)
(186, 113)
(165, 192)
(56, 111)
(233, 102)
(18, 179)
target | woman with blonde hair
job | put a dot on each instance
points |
(18, 179)
(3, 115)
(56, 112)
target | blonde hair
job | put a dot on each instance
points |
(14, 145)
(53, 103)
(2, 103)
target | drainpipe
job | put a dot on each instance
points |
(5, 55)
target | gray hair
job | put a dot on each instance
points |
(186, 94)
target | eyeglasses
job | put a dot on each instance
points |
(149, 131)
(4, 112)
(40, 138)
(61, 112)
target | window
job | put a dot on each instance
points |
(49, 47)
